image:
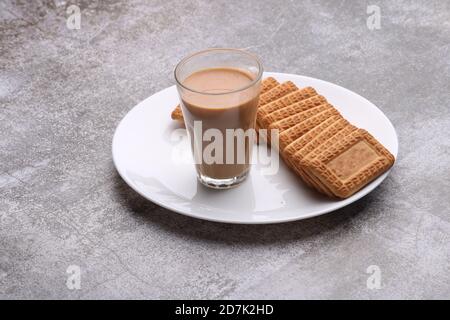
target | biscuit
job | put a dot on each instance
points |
(322, 142)
(336, 132)
(290, 135)
(277, 92)
(296, 145)
(177, 114)
(313, 140)
(315, 132)
(266, 85)
(294, 119)
(291, 109)
(351, 163)
(285, 101)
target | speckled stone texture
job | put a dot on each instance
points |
(63, 92)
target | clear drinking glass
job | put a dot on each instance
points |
(219, 92)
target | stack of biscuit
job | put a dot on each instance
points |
(317, 143)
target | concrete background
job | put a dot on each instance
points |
(63, 92)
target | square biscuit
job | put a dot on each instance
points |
(321, 143)
(350, 164)
(291, 109)
(293, 97)
(330, 136)
(295, 119)
(267, 84)
(296, 145)
(289, 135)
(277, 92)
(303, 140)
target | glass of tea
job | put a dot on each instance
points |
(219, 92)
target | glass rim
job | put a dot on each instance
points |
(254, 81)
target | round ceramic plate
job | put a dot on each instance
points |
(152, 154)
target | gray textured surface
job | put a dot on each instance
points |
(62, 93)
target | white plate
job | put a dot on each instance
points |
(148, 157)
